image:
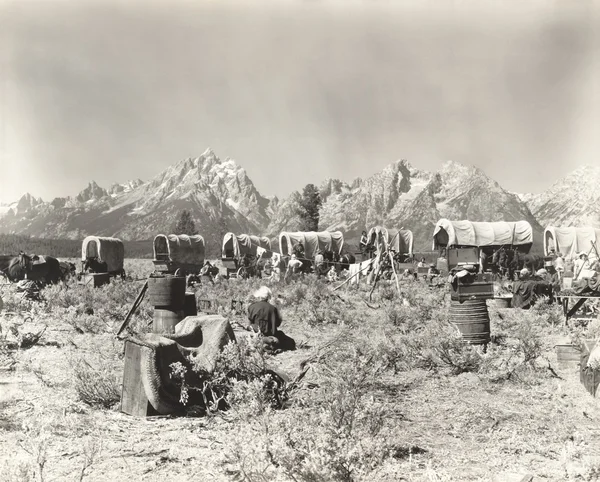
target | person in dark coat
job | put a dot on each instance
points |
(526, 290)
(265, 319)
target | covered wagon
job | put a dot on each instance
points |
(240, 253)
(312, 242)
(477, 242)
(570, 241)
(179, 251)
(401, 241)
(103, 255)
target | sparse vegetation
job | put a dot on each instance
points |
(376, 391)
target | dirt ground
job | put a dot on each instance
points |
(455, 427)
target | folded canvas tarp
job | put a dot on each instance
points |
(481, 234)
(180, 248)
(312, 241)
(571, 241)
(239, 245)
(399, 240)
(108, 250)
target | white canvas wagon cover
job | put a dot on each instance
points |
(243, 244)
(179, 248)
(312, 241)
(108, 250)
(399, 240)
(570, 241)
(468, 233)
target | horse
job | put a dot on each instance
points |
(533, 262)
(67, 270)
(346, 260)
(45, 269)
(95, 266)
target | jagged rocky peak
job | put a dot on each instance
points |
(118, 188)
(332, 186)
(91, 192)
(27, 201)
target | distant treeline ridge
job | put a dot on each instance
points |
(64, 248)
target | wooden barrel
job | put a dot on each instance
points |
(472, 319)
(165, 320)
(167, 292)
(190, 308)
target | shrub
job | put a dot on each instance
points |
(96, 386)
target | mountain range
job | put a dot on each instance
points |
(223, 198)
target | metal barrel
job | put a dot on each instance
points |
(167, 292)
(165, 320)
(472, 319)
(190, 307)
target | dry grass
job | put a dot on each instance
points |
(396, 396)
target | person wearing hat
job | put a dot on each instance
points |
(265, 319)
(319, 263)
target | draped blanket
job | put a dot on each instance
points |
(400, 241)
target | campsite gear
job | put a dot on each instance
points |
(105, 250)
(467, 286)
(467, 233)
(164, 320)
(172, 252)
(167, 295)
(148, 385)
(472, 319)
(567, 355)
(167, 291)
(312, 241)
(503, 301)
(95, 279)
(462, 256)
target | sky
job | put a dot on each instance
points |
(295, 91)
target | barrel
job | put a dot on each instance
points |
(472, 319)
(167, 292)
(190, 308)
(165, 320)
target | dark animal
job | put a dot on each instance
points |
(532, 262)
(346, 260)
(45, 269)
(92, 265)
(67, 270)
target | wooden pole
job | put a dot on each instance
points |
(354, 275)
(394, 270)
(134, 307)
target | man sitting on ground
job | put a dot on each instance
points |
(265, 319)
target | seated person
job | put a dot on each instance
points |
(265, 319)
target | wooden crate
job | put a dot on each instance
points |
(95, 279)
(481, 290)
(206, 305)
(133, 396)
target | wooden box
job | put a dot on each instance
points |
(133, 396)
(208, 306)
(458, 256)
(95, 279)
(480, 290)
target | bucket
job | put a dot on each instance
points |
(167, 292)
(472, 319)
(165, 320)
(190, 308)
(568, 355)
(503, 302)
